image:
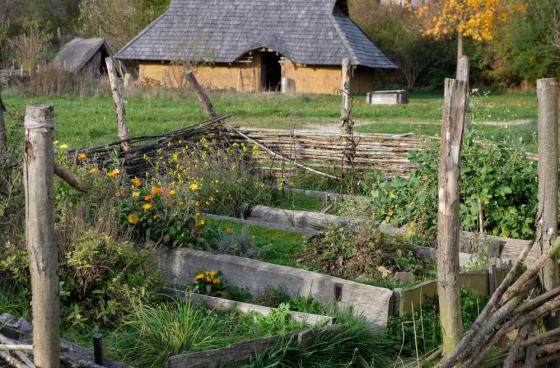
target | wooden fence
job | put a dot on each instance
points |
(325, 151)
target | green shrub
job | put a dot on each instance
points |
(98, 276)
(497, 176)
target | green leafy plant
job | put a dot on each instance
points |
(497, 180)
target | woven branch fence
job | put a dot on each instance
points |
(325, 151)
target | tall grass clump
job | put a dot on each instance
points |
(351, 344)
(151, 334)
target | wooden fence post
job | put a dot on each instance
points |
(39, 230)
(346, 109)
(117, 99)
(201, 95)
(448, 225)
(463, 74)
(547, 223)
(3, 134)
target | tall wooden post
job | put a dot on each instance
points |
(201, 95)
(117, 99)
(3, 134)
(448, 225)
(346, 108)
(547, 224)
(39, 231)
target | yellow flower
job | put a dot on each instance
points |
(82, 155)
(113, 173)
(147, 206)
(133, 218)
(216, 281)
(202, 222)
(229, 229)
(94, 170)
(135, 194)
(119, 194)
(175, 156)
(158, 190)
(199, 276)
(172, 192)
(137, 182)
(194, 186)
(63, 146)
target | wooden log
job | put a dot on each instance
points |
(463, 74)
(41, 243)
(68, 177)
(19, 353)
(119, 104)
(547, 224)
(18, 347)
(448, 213)
(201, 95)
(14, 362)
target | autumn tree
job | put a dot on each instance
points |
(475, 19)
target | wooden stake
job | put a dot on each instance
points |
(3, 134)
(345, 111)
(463, 74)
(117, 99)
(448, 225)
(39, 229)
(547, 225)
(201, 95)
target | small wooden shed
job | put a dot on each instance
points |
(84, 55)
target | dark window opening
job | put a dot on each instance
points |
(342, 5)
(271, 71)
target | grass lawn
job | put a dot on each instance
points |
(82, 122)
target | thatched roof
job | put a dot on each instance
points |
(312, 32)
(77, 53)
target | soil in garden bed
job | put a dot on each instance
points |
(360, 254)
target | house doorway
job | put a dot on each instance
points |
(271, 71)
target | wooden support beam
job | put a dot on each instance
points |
(119, 104)
(547, 222)
(40, 237)
(201, 96)
(448, 225)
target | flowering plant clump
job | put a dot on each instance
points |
(209, 283)
(168, 206)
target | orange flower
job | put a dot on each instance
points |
(113, 173)
(229, 229)
(137, 182)
(157, 191)
(216, 281)
(82, 155)
(148, 198)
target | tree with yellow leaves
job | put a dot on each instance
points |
(477, 19)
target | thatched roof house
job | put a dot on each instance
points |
(84, 55)
(250, 45)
